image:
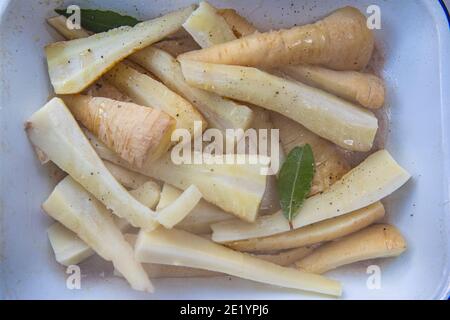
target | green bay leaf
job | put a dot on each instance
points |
(295, 179)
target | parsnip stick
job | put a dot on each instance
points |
(136, 133)
(372, 180)
(77, 210)
(176, 247)
(330, 117)
(151, 93)
(200, 218)
(220, 113)
(125, 177)
(323, 231)
(365, 89)
(378, 241)
(285, 258)
(207, 27)
(235, 188)
(73, 65)
(330, 163)
(340, 41)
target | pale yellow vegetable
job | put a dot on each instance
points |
(149, 92)
(323, 231)
(363, 88)
(200, 218)
(372, 180)
(148, 194)
(77, 210)
(340, 41)
(207, 27)
(220, 113)
(75, 64)
(330, 117)
(138, 134)
(177, 247)
(235, 188)
(330, 163)
(285, 258)
(378, 241)
(128, 178)
(67, 247)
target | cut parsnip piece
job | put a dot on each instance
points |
(138, 134)
(323, 231)
(54, 130)
(151, 93)
(177, 247)
(69, 249)
(340, 41)
(240, 26)
(363, 88)
(176, 47)
(75, 64)
(148, 194)
(198, 221)
(207, 27)
(332, 118)
(77, 210)
(220, 113)
(372, 180)
(378, 241)
(330, 163)
(285, 258)
(125, 177)
(236, 188)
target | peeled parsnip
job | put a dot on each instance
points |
(149, 92)
(219, 112)
(330, 163)
(177, 247)
(73, 65)
(340, 41)
(372, 180)
(330, 117)
(323, 231)
(200, 218)
(138, 134)
(363, 88)
(127, 178)
(77, 210)
(378, 241)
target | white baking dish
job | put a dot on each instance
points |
(415, 41)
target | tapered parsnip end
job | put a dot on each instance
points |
(374, 94)
(240, 26)
(330, 117)
(323, 231)
(73, 65)
(378, 241)
(340, 41)
(78, 211)
(176, 247)
(136, 133)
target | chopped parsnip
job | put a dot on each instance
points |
(375, 178)
(177, 247)
(73, 65)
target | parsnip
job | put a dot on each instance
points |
(151, 93)
(67, 247)
(77, 210)
(330, 164)
(207, 27)
(285, 258)
(176, 47)
(176, 247)
(363, 88)
(136, 133)
(378, 241)
(340, 41)
(148, 194)
(323, 231)
(220, 113)
(372, 180)
(332, 118)
(200, 218)
(73, 65)
(102, 88)
(128, 178)
(59, 23)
